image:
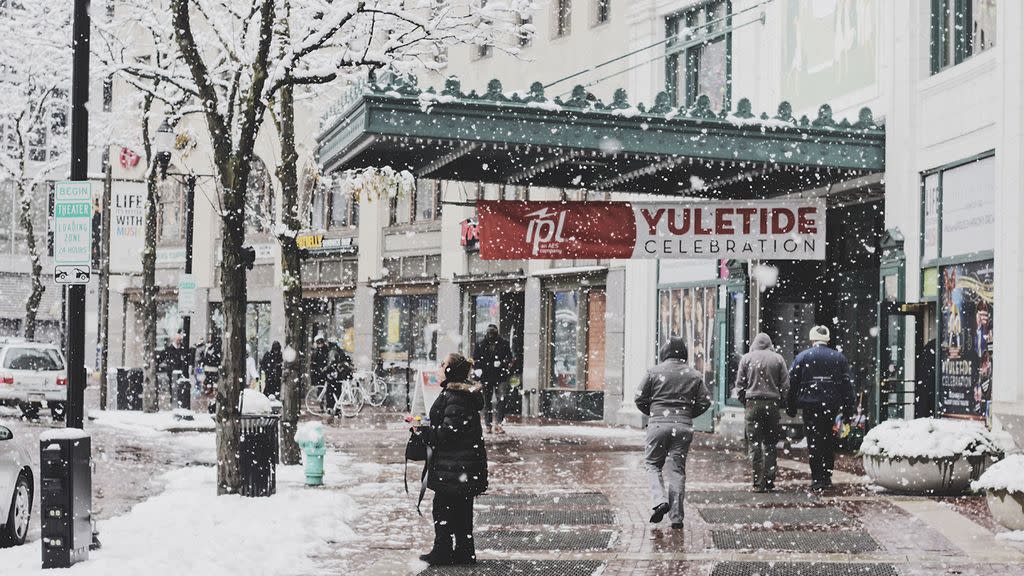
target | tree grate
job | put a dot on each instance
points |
(784, 516)
(802, 569)
(554, 499)
(542, 540)
(518, 568)
(514, 516)
(796, 541)
(750, 498)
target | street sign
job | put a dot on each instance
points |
(187, 295)
(72, 232)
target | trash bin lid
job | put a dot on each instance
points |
(253, 402)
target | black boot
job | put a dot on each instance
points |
(659, 512)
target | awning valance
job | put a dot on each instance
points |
(580, 142)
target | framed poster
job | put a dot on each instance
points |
(967, 343)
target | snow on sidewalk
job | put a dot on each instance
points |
(188, 529)
(159, 422)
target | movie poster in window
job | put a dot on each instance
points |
(967, 345)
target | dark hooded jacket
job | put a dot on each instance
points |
(673, 390)
(271, 365)
(762, 373)
(820, 378)
(458, 464)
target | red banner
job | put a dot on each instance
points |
(742, 230)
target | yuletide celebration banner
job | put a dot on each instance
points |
(739, 230)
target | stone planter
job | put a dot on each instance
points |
(931, 476)
(1007, 508)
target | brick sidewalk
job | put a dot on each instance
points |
(598, 522)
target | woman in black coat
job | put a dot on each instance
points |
(270, 366)
(458, 465)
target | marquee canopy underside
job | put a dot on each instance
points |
(580, 143)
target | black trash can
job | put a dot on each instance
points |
(258, 455)
(129, 388)
(181, 391)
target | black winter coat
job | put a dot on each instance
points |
(494, 359)
(458, 466)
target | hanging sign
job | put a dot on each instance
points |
(187, 295)
(734, 230)
(127, 226)
(72, 232)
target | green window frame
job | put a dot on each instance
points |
(940, 258)
(960, 29)
(712, 22)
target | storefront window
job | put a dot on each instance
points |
(486, 311)
(689, 313)
(406, 328)
(967, 340)
(257, 325)
(959, 210)
(168, 322)
(565, 338)
(334, 318)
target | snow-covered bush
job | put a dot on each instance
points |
(931, 438)
(1007, 474)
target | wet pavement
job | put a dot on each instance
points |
(572, 500)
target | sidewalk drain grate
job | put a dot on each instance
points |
(517, 568)
(785, 516)
(750, 498)
(802, 569)
(567, 499)
(797, 541)
(513, 516)
(538, 540)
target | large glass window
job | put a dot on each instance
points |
(257, 326)
(698, 55)
(406, 328)
(961, 29)
(689, 313)
(958, 217)
(334, 318)
(565, 338)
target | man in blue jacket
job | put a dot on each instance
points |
(820, 386)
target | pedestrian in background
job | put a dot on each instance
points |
(493, 360)
(174, 358)
(270, 368)
(457, 468)
(762, 384)
(672, 393)
(319, 361)
(820, 386)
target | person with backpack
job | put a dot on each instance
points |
(457, 464)
(493, 359)
(672, 393)
(821, 387)
(762, 383)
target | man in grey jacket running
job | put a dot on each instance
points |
(762, 382)
(672, 394)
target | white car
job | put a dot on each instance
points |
(16, 488)
(33, 375)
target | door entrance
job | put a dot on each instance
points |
(899, 396)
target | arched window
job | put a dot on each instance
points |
(260, 204)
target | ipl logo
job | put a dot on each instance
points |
(544, 227)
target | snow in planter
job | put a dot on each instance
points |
(1007, 474)
(931, 438)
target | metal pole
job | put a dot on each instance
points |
(79, 172)
(190, 200)
(105, 283)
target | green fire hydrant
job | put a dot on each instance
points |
(310, 437)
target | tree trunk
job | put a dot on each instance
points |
(232, 373)
(38, 288)
(291, 273)
(150, 396)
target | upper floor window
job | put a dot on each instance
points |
(561, 20)
(961, 29)
(344, 208)
(171, 211)
(602, 12)
(525, 30)
(698, 55)
(422, 204)
(484, 50)
(259, 198)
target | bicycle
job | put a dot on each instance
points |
(349, 400)
(375, 388)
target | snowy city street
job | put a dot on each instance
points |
(512, 287)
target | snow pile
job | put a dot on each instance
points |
(930, 438)
(188, 529)
(1015, 536)
(157, 422)
(63, 434)
(310, 431)
(1007, 474)
(254, 402)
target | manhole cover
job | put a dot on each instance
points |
(517, 568)
(786, 516)
(797, 541)
(546, 540)
(553, 499)
(802, 569)
(513, 516)
(749, 498)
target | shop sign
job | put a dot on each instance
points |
(469, 235)
(966, 349)
(318, 243)
(187, 294)
(734, 230)
(127, 227)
